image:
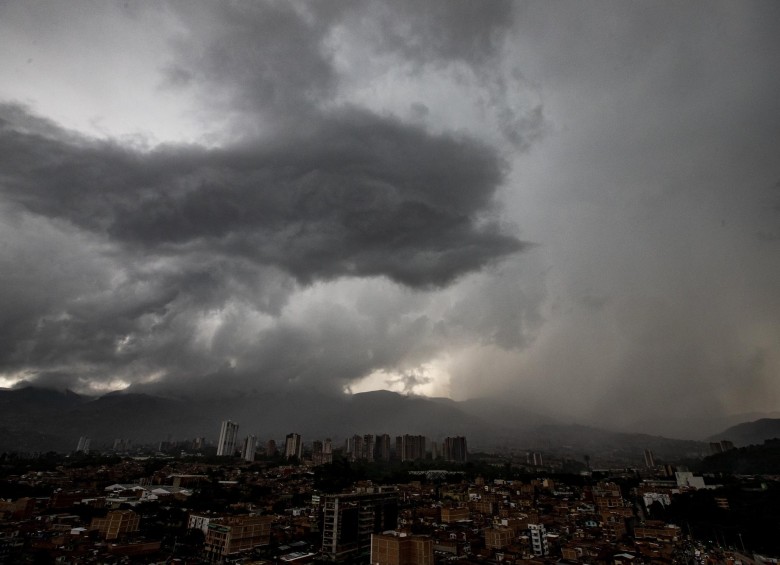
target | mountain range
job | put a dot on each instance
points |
(36, 419)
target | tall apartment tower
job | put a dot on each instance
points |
(316, 452)
(412, 447)
(293, 446)
(250, 447)
(649, 460)
(322, 452)
(455, 449)
(368, 447)
(382, 448)
(227, 438)
(83, 445)
(327, 451)
(350, 519)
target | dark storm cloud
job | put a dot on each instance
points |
(193, 230)
(181, 261)
(263, 58)
(359, 195)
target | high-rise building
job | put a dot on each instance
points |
(250, 446)
(368, 448)
(122, 445)
(361, 448)
(382, 448)
(355, 447)
(537, 459)
(720, 446)
(316, 452)
(227, 438)
(412, 447)
(649, 460)
(454, 449)
(327, 451)
(270, 448)
(83, 445)
(393, 548)
(293, 446)
(322, 452)
(350, 519)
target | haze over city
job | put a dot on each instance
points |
(573, 209)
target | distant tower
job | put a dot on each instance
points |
(293, 446)
(227, 438)
(412, 448)
(537, 458)
(649, 460)
(83, 445)
(368, 447)
(250, 446)
(316, 452)
(327, 451)
(270, 448)
(382, 448)
(355, 447)
(454, 449)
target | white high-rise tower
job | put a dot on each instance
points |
(227, 438)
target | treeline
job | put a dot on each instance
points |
(751, 460)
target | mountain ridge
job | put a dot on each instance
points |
(58, 421)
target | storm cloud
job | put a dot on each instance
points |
(572, 207)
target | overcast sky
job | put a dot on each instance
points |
(574, 207)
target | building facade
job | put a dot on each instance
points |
(350, 519)
(228, 536)
(227, 438)
(392, 548)
(293, 446)
(454, 449)
(250, 447)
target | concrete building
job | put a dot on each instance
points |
(382, 448)
(227, 438)
(225, 537)
(393, 548)
(649, 459)
(498, 538)
(410, 448)
(539, 543)
(250, 447)
(83, 445)
(450, 515)
(116, 524)
(322, 452)
(350, 519)
(293, 446)
(454, 449)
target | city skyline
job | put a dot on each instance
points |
(570, 208)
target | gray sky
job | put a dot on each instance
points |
(572, 207)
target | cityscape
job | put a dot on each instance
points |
(389, 282)
(373, 498)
